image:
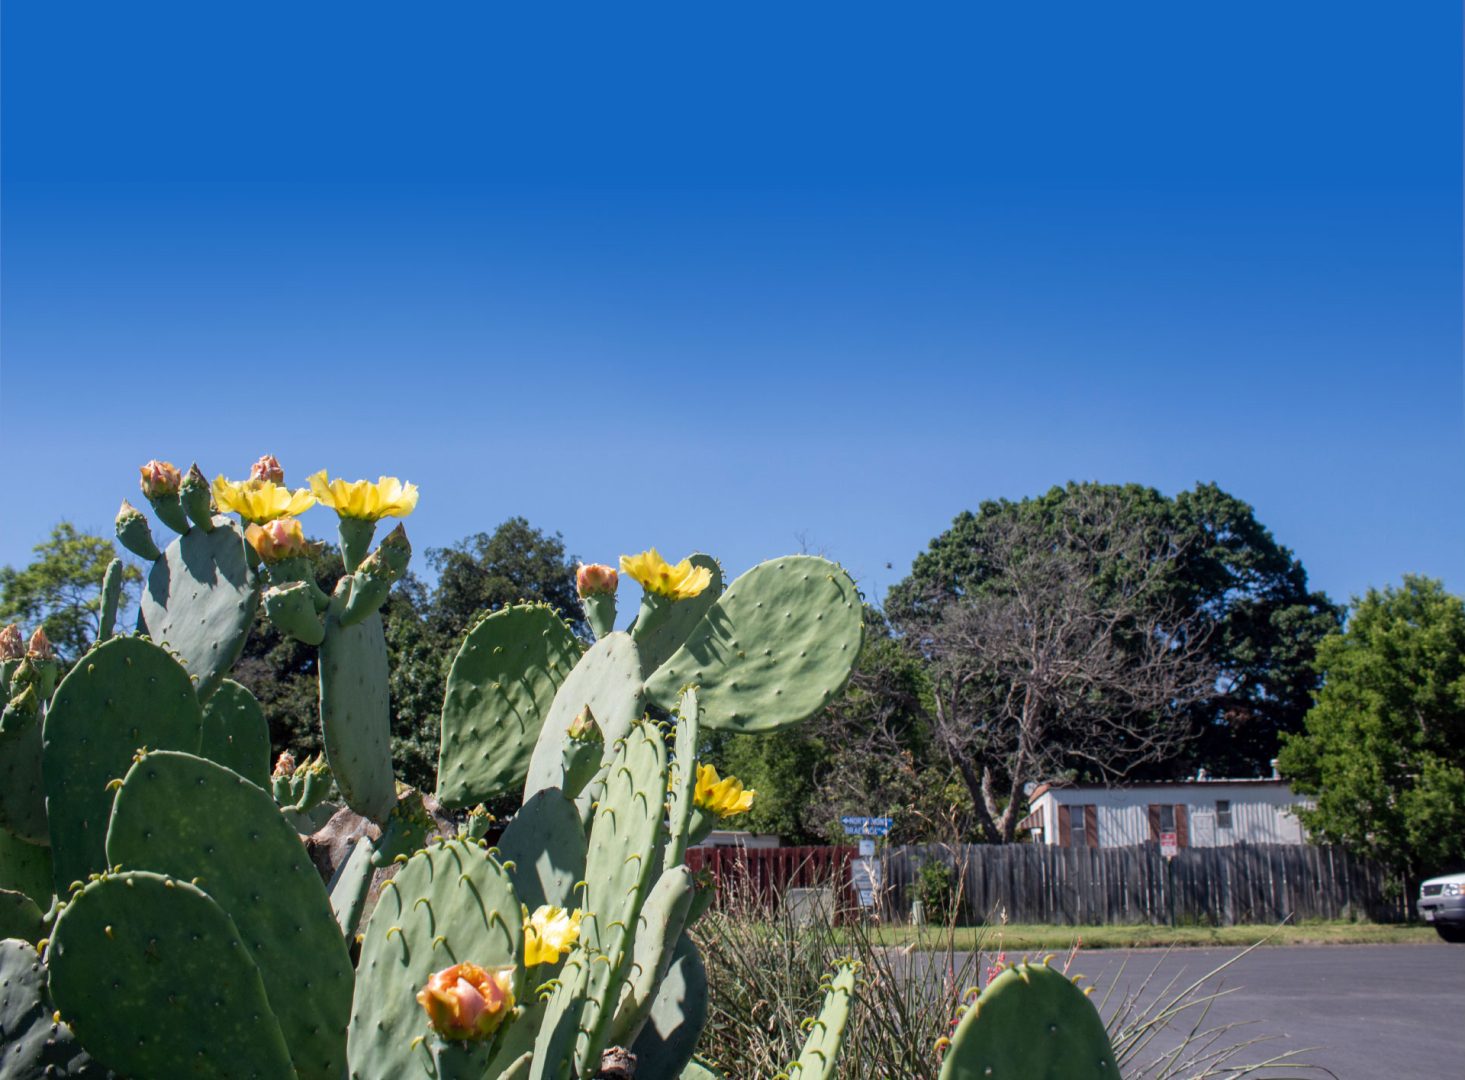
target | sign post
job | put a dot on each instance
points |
(865, 871)
(1169, 848)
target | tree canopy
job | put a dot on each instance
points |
(61, 589)
(1383, 750)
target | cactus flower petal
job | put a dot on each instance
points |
(260, 501)
(466, 1001)
(549, 934)
(680, 582)
(388, 497)
(724, 797)
(279, 539)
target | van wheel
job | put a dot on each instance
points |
(1454, 934)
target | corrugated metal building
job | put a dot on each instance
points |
(1200, 813)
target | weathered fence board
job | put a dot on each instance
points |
(761, 875)
(1245, 883)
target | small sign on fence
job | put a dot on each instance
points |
(867, 848)
(866, 826)
(1169, 845)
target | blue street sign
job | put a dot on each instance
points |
(866, 826)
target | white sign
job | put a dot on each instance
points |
(867, 848)
(865, 877)
(1169, 845)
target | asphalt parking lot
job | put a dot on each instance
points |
(1364, 1012)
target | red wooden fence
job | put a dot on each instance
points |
(762, 875)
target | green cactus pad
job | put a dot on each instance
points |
(668, 633)
(683, 784)
(554, 1046)
(200, 602)
(22, 790)
(153, 976)
(817, 1058)
(700, 1070)
(500, 689)
(669, 1037)
(448, 904)
(33, 1043)
(774, 648)
(25, 868)
(292, 610)
(111, 598)
(658, 928)
(236, 734)
(620, 867)
(190, 818)
(125, 694)
(546, 846)
(1030, 1023)
(20, 917)
(355, 713)
(608, 680)
(350, 886)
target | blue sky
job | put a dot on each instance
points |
(744, 279)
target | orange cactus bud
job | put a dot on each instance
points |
(278, 539)
(39, 647)
(12, 645)
(284, 765)
(466, 1001)
(595, 579)
(160, 478)
(267, 468)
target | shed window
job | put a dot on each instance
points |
(1167, 818)
(1223, 813)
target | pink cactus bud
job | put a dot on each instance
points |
(39, 647)
(267, 468)
(284, 765)
(278, 539)
(466, 1001)
(12, 645)
(596, 579)
(160, 478)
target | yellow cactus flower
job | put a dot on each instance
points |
(549, 933)
(725, 797)
(466, 1001)
(388, 497)
(260, 501)
(680, 582)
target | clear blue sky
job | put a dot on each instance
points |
(729, 277)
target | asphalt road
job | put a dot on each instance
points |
(1372, 1012)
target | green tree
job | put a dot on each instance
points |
(1226, 576)
(483, 572)
(61, 589)
(1383, 750)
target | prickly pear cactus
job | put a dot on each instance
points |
(607, 680)
(20, 917)
(189, 818)
(25, 868)
(1030, 1023)
(355, 712)
(501, 686)
(22, 789)
(33, 1041)
(773, 649)
(665, 635)
(236, 734)
(678, 1014)
(543, 849)
(126, 694)
(200, 600)
(451, 903)
(155, 980)
(816, 1059)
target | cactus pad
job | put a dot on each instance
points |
(125, 694)
(607, 680)
(774, 648)
(500, 689)
(546, 846)
(816, 1059)
(33, 1043)
(20, 917)
(448, 904)
(25, 868)
(620, 866)
(236, 734)
(355, 712)
(667, 1041)
(190, 818)
(155, 979)
(658, 928)
(200, 601)
(22, 791)
(1030, 1023)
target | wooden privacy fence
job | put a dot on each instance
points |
(763, 875)
(1245, 883)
